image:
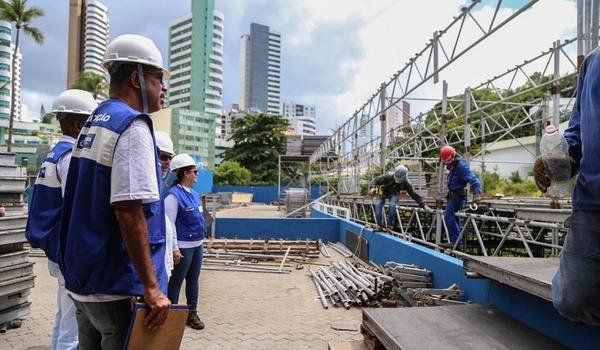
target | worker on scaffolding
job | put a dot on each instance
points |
(460, 175)
(390, 186)
(576, 284)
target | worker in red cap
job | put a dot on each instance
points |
(460, 175)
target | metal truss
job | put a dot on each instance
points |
(489, 231)
(446, 46)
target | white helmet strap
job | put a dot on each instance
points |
(140, 70)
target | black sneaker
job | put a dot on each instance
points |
(194, 321)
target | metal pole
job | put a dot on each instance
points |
(482, 143)
(580, 33)
(436, 77)
(556, 86)
(382, 119)
(279, 178)
(595, 18)
(467, 136)
(439, 203)
(588, 26)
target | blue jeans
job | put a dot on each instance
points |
(379, 202)
(64, 332)
(576, 284)
(454, 204)
(103, 325)
(188, 269)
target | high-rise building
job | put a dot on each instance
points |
(302, 118)
(192, 132)
(6, 55)
(260, 56)
(196, 60)
(88, 37)
(397, 116)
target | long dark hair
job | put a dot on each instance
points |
(179, 173)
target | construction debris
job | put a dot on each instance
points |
(16, 271)
(344, 284)
(266, 256)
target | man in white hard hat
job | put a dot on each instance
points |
(389, 187)
(71, 108)
(113, 224)
(165, 154)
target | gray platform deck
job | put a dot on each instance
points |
(532, 275)
(473, 326)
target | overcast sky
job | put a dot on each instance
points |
(335, 53)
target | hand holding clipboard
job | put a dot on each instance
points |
(167, 337)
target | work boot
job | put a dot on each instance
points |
(194, 321)
(378, 228)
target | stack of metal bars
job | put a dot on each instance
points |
(16, 271)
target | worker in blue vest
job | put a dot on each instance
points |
(459, 177)
(185, 210)
(165, 155)
(71, 108)
(112, 245)
(576, 284)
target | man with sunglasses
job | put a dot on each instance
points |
(112, 245)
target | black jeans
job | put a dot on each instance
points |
(103, 325)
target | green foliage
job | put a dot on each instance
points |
(18, 13)
(47, 118)
(515, 177)
(259, 139)
(514, 186)
(92, 82)
(232, 173)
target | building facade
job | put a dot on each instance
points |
(88, 38)
(302, 118)
(260, 67)
(192, 132)
(196, 60)
(6, 55)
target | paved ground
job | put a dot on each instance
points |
(241, 311)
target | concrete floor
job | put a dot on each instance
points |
(242, 310)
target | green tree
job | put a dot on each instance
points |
(47, 118)
(92, 82)
(18, 13)
(259, 140)
(232, 173)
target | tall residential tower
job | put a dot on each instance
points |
(260, 56)
(88, 38)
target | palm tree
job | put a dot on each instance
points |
(18, 13)
(93, 82)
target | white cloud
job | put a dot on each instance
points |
(391, 32)
(31, 102)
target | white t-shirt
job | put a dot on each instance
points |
(171, 208)
(133, 177)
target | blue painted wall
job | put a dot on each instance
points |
(326, 229)
(528, 309)
(205, 181)
(446, 269)
(264, 194)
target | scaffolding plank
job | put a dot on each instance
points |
(532, 275)
(472, 326)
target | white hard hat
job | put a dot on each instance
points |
(181, 161)
(74, 101)
(133, 48)
(164, 142)
(400, 173)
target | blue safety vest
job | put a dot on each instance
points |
(93, 258)
(45, 204)
(189, 222)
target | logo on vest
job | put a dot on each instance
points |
(50, 155)
(99, 118)
(42, 174)
(85, 141)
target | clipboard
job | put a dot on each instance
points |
(166, 337)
